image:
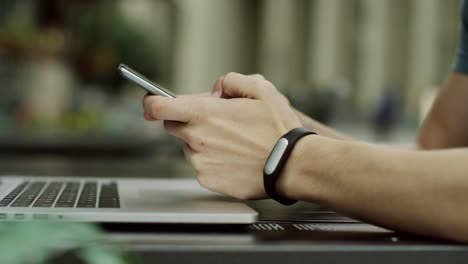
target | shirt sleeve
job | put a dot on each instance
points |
(460, 63)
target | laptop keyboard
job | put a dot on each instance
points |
(29, 195)
(63, 195)
(69, 194)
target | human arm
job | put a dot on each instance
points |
(446, 125)
(229, 140)
(421, 192)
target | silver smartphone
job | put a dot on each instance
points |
(151, 87)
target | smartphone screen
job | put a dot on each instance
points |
(138, 79)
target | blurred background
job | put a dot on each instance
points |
(367, 67)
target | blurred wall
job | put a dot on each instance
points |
(66, 53)
(213, 37)
(369, 43)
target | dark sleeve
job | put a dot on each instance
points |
(460, 63)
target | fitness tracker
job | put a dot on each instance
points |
(276, 161)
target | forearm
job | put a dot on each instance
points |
(446, 125)
(412, 191)
(320, 128)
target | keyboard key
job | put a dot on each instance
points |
(48, 196)
(13, 194)
(109, 196)
(28, 196)
(88, 195)
(69, 194)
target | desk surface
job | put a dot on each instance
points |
(302, 233)
(318, 235)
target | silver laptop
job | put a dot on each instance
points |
(120, 200)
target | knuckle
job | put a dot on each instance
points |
(269, 89)
(258, 84)
(284, 99)
(200, 144)
(258, 76)
(193, 141)
(230, 76)
(189, 139)
(262, 86)
(269, 86)
(197, 143)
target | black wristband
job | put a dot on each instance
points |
(276, 161)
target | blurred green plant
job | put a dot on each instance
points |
(88, 39)
(40, 242)
(18, 30)
(103, 38)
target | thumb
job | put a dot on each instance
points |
(235, 85)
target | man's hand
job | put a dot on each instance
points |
(305, 120)
(228, 140)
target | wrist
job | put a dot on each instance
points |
(277, 159)
(313, 160)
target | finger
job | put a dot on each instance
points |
(165, 108)
(238, 85)
(258, 76)
(189, 152)
(144, 98)
(186, 133)
(148, 117)
(217, 89)
(176, 129)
